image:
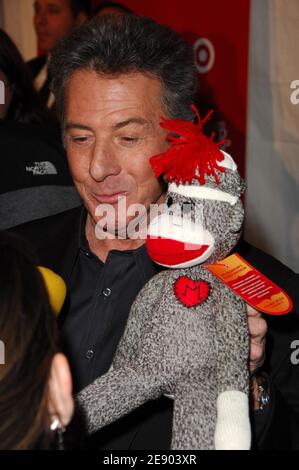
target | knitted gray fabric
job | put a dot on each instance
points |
(193, 353)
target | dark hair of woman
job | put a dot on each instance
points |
(29, 333)
(25, 106)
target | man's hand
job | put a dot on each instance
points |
(257, 334)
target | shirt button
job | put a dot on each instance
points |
(89, 355)
(106, 292)
(87, 254)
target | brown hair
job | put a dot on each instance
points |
(29, 333)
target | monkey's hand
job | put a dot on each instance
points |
(233, 426)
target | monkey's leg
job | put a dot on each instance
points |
(233, 426)
(194, 416)
(115, 394)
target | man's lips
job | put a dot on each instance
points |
(172, 252)
(109, 198)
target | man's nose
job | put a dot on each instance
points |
(103, 163)
(41, 18)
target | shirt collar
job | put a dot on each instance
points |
(147, 267)
(82, 240)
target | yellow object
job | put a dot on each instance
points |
(56, 288)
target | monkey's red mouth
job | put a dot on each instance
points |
(172, 252)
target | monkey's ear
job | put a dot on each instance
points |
(236, 218)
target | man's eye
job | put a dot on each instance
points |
(129, 139)
(79, 140)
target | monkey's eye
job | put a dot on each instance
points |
(169, 201)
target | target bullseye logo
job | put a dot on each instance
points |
(204, 55)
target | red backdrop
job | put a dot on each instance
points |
(219, 32)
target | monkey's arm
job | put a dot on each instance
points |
(115, 394)
(233, 426)
(130, 383)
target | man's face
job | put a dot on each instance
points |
(111, 130)
(53, 19)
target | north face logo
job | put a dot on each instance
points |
(42, 168)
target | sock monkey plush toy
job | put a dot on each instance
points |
(186, 334)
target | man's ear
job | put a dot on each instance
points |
(81, 18)
(60, 399)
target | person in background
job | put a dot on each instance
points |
(21, 100)
(53, 19)
(35, 379)
(111, 8)
(34, 178)
(35, 181)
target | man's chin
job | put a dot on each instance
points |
(118, 224)
(45, 46)
(110, 232)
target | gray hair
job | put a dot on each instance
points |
(119, 45)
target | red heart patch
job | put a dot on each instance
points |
(189, 292)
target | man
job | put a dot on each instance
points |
(53, 19)
(113, 80)
(111, 8)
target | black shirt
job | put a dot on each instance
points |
(100, 297)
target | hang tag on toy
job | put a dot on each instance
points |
(252, 286)
(56, 288)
